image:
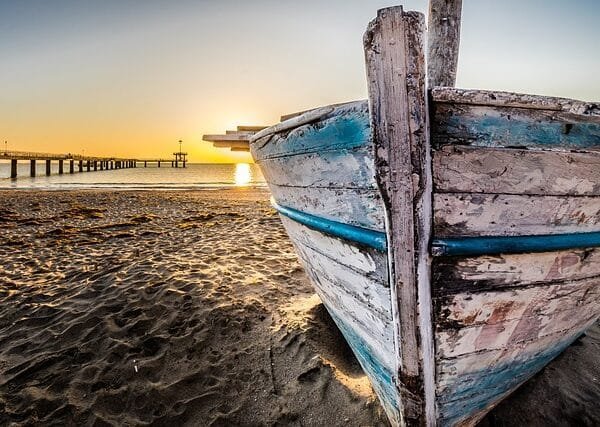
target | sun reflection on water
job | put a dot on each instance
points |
(242, 175)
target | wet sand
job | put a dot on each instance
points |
(165, 308)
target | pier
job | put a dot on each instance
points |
(84, 163)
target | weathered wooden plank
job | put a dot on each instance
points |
(477, 380)
(496, 307)
(359, 207)
(361, 303)
(345, 127)
(352, 168)
(491, 126)
(476, 274)
(517, 100)
(357, 235)
(465, 214)
(380, 376)
(496, 336)
(288, 116)
(303, 119)
(465, 369)
(443, 38)
(516, 171)
(363, 299)
(367, 261)
(395, 62)
(369, 332)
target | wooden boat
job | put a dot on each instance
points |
(451, 234)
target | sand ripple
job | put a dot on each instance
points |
(136, 308)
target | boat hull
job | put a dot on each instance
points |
(503, 307)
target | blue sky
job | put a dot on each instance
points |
(138, 75)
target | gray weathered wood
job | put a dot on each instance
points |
(512, 316)
(443, 41)
(364, 260)
(346, 127)
(518, 100)
(464, 214)
(359, 207)
(476, 274)
(515, 171)
(467, 381)
(294, 122)
(511, 127)
(359, 303)
(352, 168)
(299, 113)
(454, 369)
(532, 304)
(395, 62)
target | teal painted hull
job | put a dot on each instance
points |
(487, 340)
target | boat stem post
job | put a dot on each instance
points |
(443, 40)
(396, 74)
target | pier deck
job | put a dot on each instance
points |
(84, 163)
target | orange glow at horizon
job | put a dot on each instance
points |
(130, 79)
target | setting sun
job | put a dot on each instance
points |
(242, 175)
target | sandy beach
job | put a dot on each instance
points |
(190, 308)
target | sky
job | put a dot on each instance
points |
(131, 78)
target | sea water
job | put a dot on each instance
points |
(193, 176)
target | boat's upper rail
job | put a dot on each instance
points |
(453, 95)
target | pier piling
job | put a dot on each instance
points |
(13, 168)
(87, 162)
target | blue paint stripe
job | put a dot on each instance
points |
(488, 245)
(364, 236)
